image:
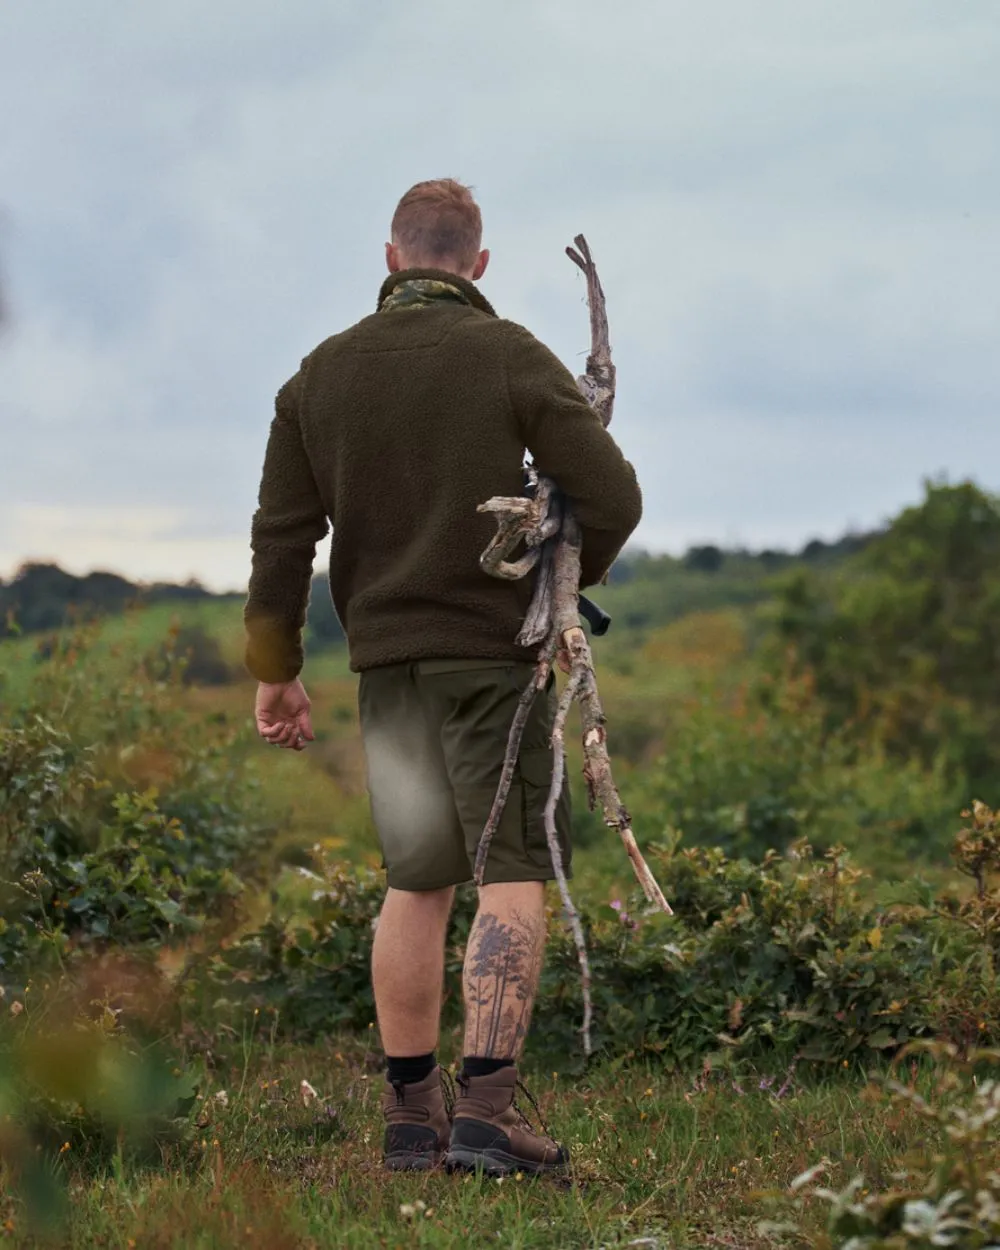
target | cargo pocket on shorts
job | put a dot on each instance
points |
(535, 768)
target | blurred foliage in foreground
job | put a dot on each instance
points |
(946, 1192)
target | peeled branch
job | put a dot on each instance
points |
(552, 541)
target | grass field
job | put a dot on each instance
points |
(658, 1160)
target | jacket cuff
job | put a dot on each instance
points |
(273, 656)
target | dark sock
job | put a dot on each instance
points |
(473, 1065)
(410, 1069)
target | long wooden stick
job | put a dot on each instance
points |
(601, 788)
(552, 540)
(555, 851)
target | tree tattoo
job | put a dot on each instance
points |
(501, 974)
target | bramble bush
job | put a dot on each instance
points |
(795, 954)
(122, 820)
(792, 956)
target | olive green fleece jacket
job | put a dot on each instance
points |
(395, 431)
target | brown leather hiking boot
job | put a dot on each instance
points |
(492, 1133)
(417, 1122)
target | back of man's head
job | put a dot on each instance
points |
(438, 225)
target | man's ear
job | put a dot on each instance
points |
(392, 258)
(482, 260)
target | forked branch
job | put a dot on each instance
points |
(598, 381)
(551, 539)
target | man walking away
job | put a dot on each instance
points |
(395, 431)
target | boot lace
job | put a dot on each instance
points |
(534, 1106)
(448, 1090)
(525, 1119)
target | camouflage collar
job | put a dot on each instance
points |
(420, 292)
(416, 288)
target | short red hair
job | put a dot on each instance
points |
(438, 221)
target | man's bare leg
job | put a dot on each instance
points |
(502, 966)
(503, 961)
(408, 976)
(408, 969)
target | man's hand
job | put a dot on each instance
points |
(282, 713)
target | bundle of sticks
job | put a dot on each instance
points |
(543, 522)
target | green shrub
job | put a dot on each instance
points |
(754, 773)
(201, 662)
(130, 823)
(133, 888)
(906, 633)
(789, 956)
(966, 992)
(313, 966)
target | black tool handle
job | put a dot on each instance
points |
(595, 616)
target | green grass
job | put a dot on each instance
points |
(678, 1160)
(681, 1161)
(136, 631)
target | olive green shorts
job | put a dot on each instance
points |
(435, 733)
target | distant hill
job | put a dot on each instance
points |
(644, 590)
(647, 591)
(44, 596)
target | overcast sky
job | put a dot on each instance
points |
(794, 205)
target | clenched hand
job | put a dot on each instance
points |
(282, 714)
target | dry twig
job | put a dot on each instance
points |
(552, 542)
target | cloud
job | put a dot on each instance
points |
(795, 210)
(145, 544)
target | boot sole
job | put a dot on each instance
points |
(496, 1163)
(411, 1162)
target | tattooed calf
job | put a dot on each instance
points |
(501, 975)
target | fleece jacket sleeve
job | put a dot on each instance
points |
(569, 444)
(289, 522)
